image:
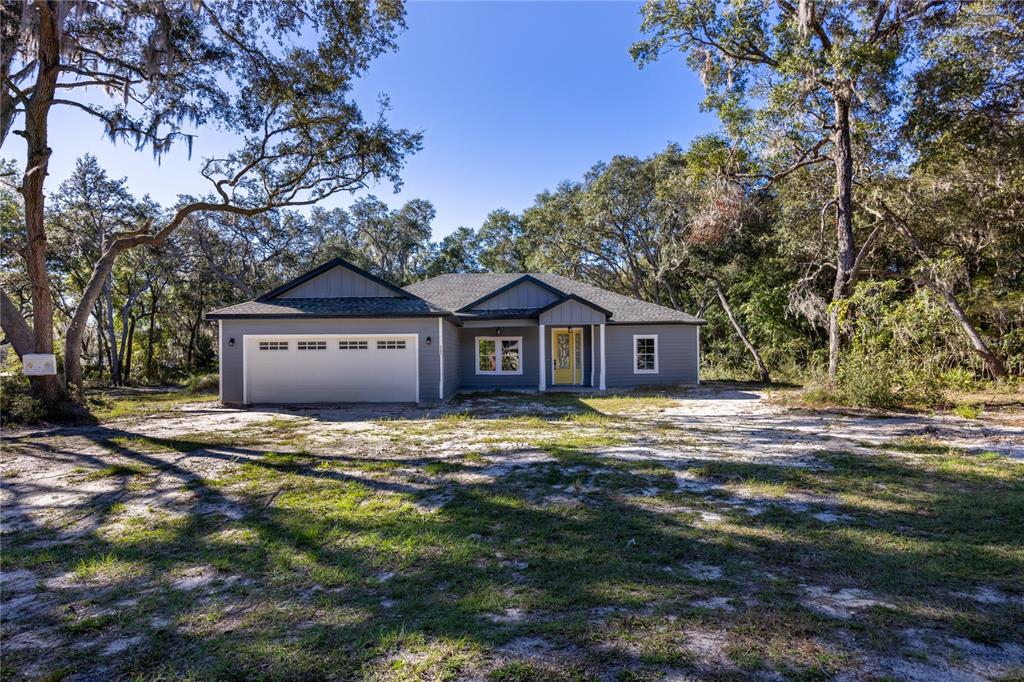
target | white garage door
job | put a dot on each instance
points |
(331, 368)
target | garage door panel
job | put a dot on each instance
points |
(338, 369)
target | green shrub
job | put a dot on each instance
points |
(868, 381)
(903, 350)
(203, 383)
(967, 410)
(959, 379)
(819, 396)
(17, 406)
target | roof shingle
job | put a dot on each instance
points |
(329, 307)
(455, 291)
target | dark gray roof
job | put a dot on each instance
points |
(503, 313)
(456, 291)
(329, 307)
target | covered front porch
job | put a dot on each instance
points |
(560, 349)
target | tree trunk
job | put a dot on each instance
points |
(112, 346)
(76, 330)
(192, 329)
(14, 325)
(129, 342)
(154, 297)
(992, 361)
(762, 369)
(100, 350)
(846, 253)
(48, 389)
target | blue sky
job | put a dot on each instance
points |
(512, 98)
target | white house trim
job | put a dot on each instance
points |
(637, 337)
(593, 368)
(497, 355)
(220, 360)
(542, 362)
(603, 355)
(440, 358)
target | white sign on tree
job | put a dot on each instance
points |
(39, 364)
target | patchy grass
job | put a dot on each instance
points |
(116, 471)
(588, 563)
(105, 568)
(109, 406)
(918, 445)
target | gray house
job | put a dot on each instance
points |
(340, 334)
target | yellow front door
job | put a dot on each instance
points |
(567, 356)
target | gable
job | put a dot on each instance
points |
(339, 282)
(523, 295)
(572, 311)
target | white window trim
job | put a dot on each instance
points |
(497, 355)
(637, 337)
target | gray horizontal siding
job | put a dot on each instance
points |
(571, 312)
(677, 355)
(339, 282)
(469, 379)
(525, 295)
(231, 357)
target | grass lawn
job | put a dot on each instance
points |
(513, 538)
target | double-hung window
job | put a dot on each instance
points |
(499, 355)
(645, 354)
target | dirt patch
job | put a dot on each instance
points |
(843, 603)
(702, 571)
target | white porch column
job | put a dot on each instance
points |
(440, 358)
(542, 362)
(603, 355)
(593, 367)
(220, 359)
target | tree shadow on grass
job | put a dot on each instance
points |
(328, 572)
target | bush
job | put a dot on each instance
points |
(17, 406)
(903, 350)
(868, 382)
(967, 410)
(959, 379)
(203, 383)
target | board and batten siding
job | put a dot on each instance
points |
(571, 313)
(339, 282)
(470, 380)
(452, 352)
(677, 354)
(231, 356)
(523, 295)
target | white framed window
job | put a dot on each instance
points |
(499, 355)
(273, 345)
(645, 354)
(391, 345)
(353, 345)
(311, 345)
